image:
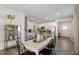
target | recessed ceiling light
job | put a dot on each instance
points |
(58, 13)
(46, 18)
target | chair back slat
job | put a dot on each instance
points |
(21, 47)
(51, 43)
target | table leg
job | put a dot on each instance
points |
(37, 53)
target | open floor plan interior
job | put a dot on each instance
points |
(39, 29)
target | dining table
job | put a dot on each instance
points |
(36, 47)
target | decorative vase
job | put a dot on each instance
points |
(39, 38)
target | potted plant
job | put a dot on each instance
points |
(10, 17)
(39, 34)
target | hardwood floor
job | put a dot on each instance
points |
(64, 46)
(10, 51)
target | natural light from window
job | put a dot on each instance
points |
(64, 27)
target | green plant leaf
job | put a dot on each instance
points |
(11, 17)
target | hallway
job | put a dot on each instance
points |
(64, 46)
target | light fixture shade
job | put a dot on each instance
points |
(58, 13)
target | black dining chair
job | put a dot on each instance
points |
(22, 50)
(49, 49)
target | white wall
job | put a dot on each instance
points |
(69, 24)
(1, 33)
(19, 20)
(76, 28)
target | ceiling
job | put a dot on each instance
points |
(43, 12)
